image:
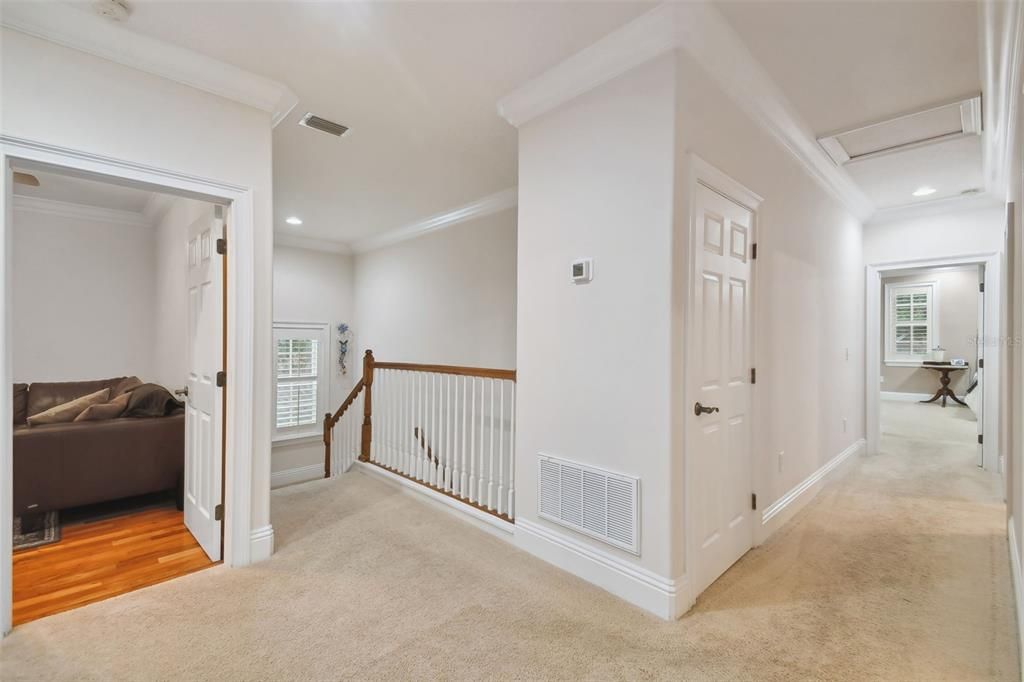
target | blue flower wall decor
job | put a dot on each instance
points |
(344, 336)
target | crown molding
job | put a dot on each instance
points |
(1002, 50)
(310, 243)
(488, 205)
(923, 209)
(66, 209)
(700, 31)
(81, 30)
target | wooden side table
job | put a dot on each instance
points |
(944, 390)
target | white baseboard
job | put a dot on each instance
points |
(261, 544)
(905, 397)
(1018, 585)
(661, 596)
(483, 520)
(783, 509)
(311, 472)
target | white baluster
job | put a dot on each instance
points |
(448, 435)
(490, 464)
(480, 483)
(472, 441)
(501, 447)
(511, 509)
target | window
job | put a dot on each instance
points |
(300, 379)
(911, 327)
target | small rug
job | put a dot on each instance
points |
(48, 533)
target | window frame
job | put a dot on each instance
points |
(892, 289)
(321, 333)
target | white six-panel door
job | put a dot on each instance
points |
(203, 468)
(720, 360)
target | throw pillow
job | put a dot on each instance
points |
(111, 410)
(69, 410)
(126, 385)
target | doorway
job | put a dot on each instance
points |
(928, 323)
(235, 418)
(117, 323)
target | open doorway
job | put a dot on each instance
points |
(118, 319)
(932, 358)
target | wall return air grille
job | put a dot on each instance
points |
(598, 503)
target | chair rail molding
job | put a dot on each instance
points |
(699, 30)
(81, 30)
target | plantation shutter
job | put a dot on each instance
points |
(911, 316)
(297, 363)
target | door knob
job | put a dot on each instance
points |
(181, 391)
(699, 409)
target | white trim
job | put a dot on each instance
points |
(310, 472)
(990, 423)
(488, 205)
(784, 508)
(261, 543)
(904, 397)
(699, 30)
(238, 542)
(664, 597)
(1002, 42)
(311, 243)
(1018, 587)
(82, 30)
(67, 209)
(483, 520)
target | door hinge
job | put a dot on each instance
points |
(981, 287)
(221, 379)
(981, 363)
(218, 512)
(981, 439)
(222, 246)
(753, 501)
(753, 375)
(753, 251)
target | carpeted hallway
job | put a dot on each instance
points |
(897, 571)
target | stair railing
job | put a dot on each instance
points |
(447, 427)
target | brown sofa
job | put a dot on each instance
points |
(57, 466)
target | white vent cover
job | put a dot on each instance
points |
(598, 503)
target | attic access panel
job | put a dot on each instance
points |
(928, 126)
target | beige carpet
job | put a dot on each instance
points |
(898, 571)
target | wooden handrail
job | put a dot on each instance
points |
(366, 383)
(509, 374)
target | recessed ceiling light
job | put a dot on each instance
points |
(924, 191)
(298, 221)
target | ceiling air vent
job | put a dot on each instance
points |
(936, 124)
(595, 502)
(323, 125)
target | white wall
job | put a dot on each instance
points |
(108, 109)
(171, 324)
(593, 360)
(445, 298)
(312, 286)
(809, 297)
(83, 298)
(968, 227)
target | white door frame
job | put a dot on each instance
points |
(703, 173)
(241, 304)
(991, 333)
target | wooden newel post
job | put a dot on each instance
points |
(327, 445)
(364, 449)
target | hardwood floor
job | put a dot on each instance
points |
(100, 559)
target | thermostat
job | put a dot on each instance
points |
(582, 270)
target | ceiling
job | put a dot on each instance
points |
(846, 64)
(416, 83)
(78, 190)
